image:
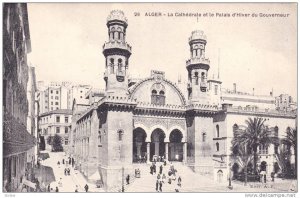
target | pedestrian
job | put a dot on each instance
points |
(170, 180)
(159, 158)
(265, 178)
(51, 190)
(154, 168)
(179, 181)
(56, 189)
(63, 161)
(127, 179)
(158, 176)
(151, 169)
(65, 171)
(157, 183)
(70, 161)
(48, 189)
(86, 187)
(164, 178)
(73, 162)
(165, 163)
(69, 171)
(76, 189)
(160, 186)
(160, 169)
(272, 176)
(60, 183)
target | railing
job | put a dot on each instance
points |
(117, 44)
(201, 60)
(259, 111)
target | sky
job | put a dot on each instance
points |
(253, 52)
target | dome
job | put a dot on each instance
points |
(117, 15)
(197, 34)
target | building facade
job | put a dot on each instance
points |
(152, 117)
(59, 95)
(17, 140)
(55, 122)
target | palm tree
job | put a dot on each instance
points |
(291, 141)
(243, 159)
(282, 157)
(254, 135)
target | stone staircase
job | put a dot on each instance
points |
(191, 182)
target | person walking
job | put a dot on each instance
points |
(56, 189)
(160, 186)
(157, 184)
(164, 178)
(127, 179)
(151, 169)
(86, 187)
(179, 181)
(49, 188)
(154, 168)
(160, 169)
(63, 161)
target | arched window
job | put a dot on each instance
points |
(120, 135)
(161, 97)
(202, 76)
(116, 35)
(196, 77)
(120, 64)
(217, 146)
(153, 96)
(111, 65)
(203, 137)
(217, 131)
(276, 131)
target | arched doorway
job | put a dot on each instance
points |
(139, 144)
(263, 166)
(175, 146)
(157, 147)
(235, 170)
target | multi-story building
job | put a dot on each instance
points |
(55, 122)
(152, 117)
(284, 102)
(60, 95)
(17, 141)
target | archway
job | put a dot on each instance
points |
(263, 166)
(235, 170)
(157, 147)
(175, 146)
(139, 145)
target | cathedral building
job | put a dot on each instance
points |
(152, 117)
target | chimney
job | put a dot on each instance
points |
(234, 87)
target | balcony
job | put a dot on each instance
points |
(203, 84)
(117, 44)
(197, 60)
(120, 75)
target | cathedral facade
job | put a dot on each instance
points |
(153, 117)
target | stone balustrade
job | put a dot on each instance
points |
(117, 44)
(198, 60)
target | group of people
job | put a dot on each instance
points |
(161, 177)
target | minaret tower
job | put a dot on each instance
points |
(197, 67)
(117, 53)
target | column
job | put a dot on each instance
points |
(167, 151)
(148, 152)
(184, 152)
(138, 149)
(156, 148)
